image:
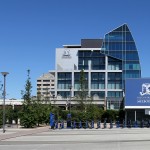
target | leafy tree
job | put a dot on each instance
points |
(94, 112)
(28, 118)
(26, 95)
(38, 109)
(42, 110)
(110, 115)
(46, 110)
(9, 115)
(16, 113)
(83, 92)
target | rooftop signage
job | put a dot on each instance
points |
(137, 93)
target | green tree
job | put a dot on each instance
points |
(94, 112)
(42, 110)
(16, 112)
(81, 98)
(110, 115)
(9, 115)
(26, 95)
(38, 109)
(28, 117)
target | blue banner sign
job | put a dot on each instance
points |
(137, 93)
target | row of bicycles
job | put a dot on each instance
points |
(100, 125)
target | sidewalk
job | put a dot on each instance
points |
(12, 133)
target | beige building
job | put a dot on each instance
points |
(46, 85)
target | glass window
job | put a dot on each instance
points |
(113, 105)
(114, 64)
(130, 46)
(46, 89)
(64, 94)
(46, 80)
(101, 94)
(128, 36)
(46, 84)
(97, 80)
(64, 80)
(87, 53)
(77, 79)
(81, 60)
(132, 55)
(80, 54)
(132, 74)
(97, 54)
(114, 76)
(115, 36)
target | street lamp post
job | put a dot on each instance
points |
(4, 94)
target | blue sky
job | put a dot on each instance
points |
(30, 30)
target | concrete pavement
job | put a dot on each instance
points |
(79, 139)
(17, 132)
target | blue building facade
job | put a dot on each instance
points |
(120, 44)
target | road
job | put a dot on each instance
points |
(78, 139)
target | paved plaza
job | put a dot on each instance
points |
(75, 139)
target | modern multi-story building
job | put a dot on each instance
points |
(46, 85)
(106, 63)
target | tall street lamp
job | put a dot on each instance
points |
(4, 94)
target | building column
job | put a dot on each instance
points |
(89, 77)
(72, 84)
(126, 117)
(135, 115)
(106, 81)
(56, 78)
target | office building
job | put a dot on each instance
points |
(106, 63)
(45, 85)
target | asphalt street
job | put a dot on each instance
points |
(78, 139)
